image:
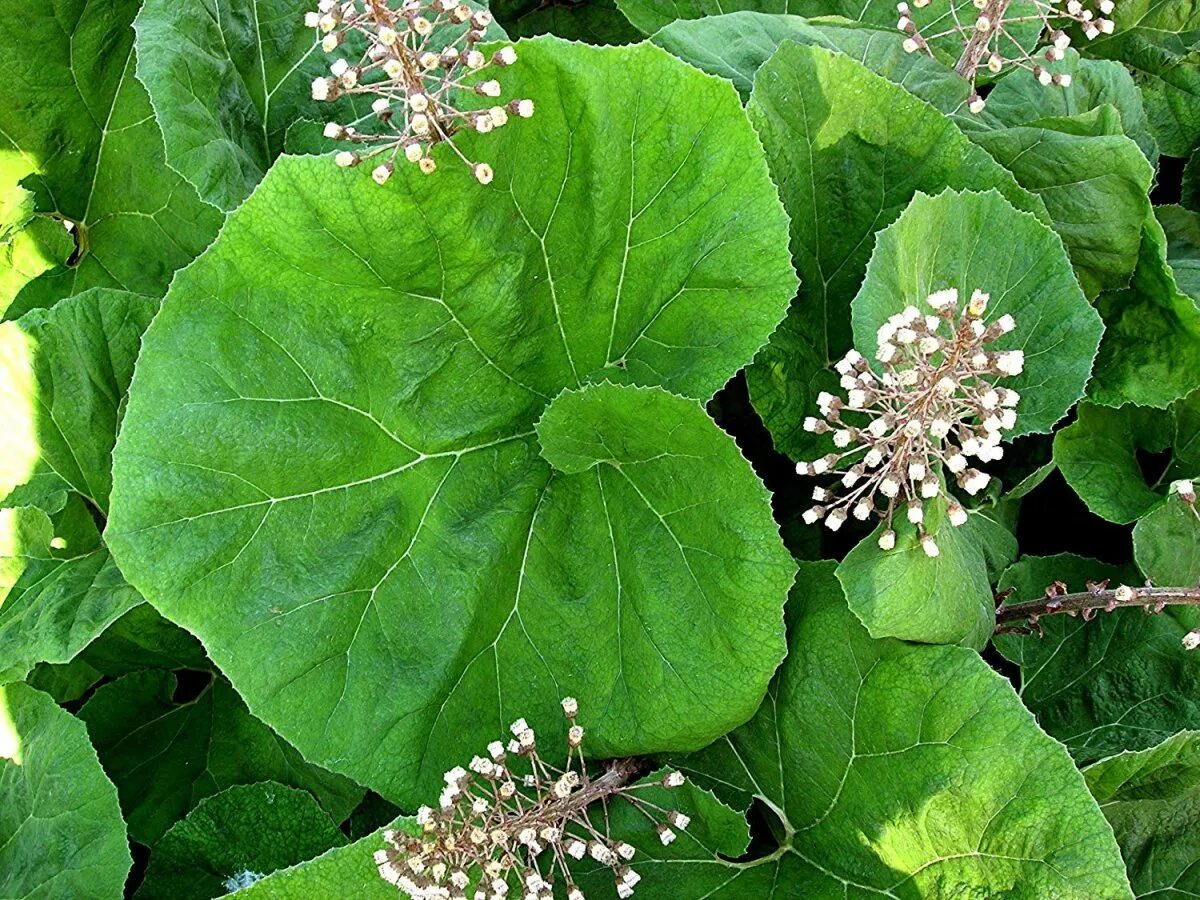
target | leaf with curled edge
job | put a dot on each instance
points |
(1098, 455)
(1150, 796)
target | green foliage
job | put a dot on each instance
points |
(1157, 41)
(810, 110)
(337, 871)
(1098, 686)
(1098, 455)
(72, 110)
(903, 593)
(61, 833)
(166, 755)
(903, 728)
(1150, 799)
(309, 486)
(428, 509)
(1150, 355)
(59, 588)
(234, 837)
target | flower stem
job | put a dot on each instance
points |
(977, 46)
(1097, 598)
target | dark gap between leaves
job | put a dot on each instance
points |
(190, 684)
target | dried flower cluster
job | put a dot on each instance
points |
(988, 43)
(494, 828)
(416, 76)
(934, 404)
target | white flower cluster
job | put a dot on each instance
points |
(988, 43)
(493, 828)
(417, 77)
(934, 404)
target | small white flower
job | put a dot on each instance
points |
(943, 299)
(1011, 362)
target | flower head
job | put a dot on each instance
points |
(987, 42)
(418, 79)
(934, 403)
(494, 827)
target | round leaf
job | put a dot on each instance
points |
(974, 242)
(354, 455)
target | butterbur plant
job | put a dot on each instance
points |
(417, 77)
(812, 394)
(935, 403)
(515, 823)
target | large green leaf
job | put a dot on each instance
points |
(1157, 40)
(64, 373)
(355, 453)
(1121, 681)
(72, 108)
(949, 241)
(236, 837)
(1151, 350)
(227, 78)
(1152, 799)
(1095, 183)
(59, 588)
(1098, 455)
(61, 833)
(848, 150)
(165, 756)
(899, 770)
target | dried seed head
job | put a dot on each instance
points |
(418, 90)
(489, 832)
(988, 42)
(933, 403)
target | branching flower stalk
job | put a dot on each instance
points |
(1024, 618)
(934, 404)
(989, 44)
(417, 87)
(494, 828)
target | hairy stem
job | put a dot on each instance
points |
(1097, 598)
(977, 46)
